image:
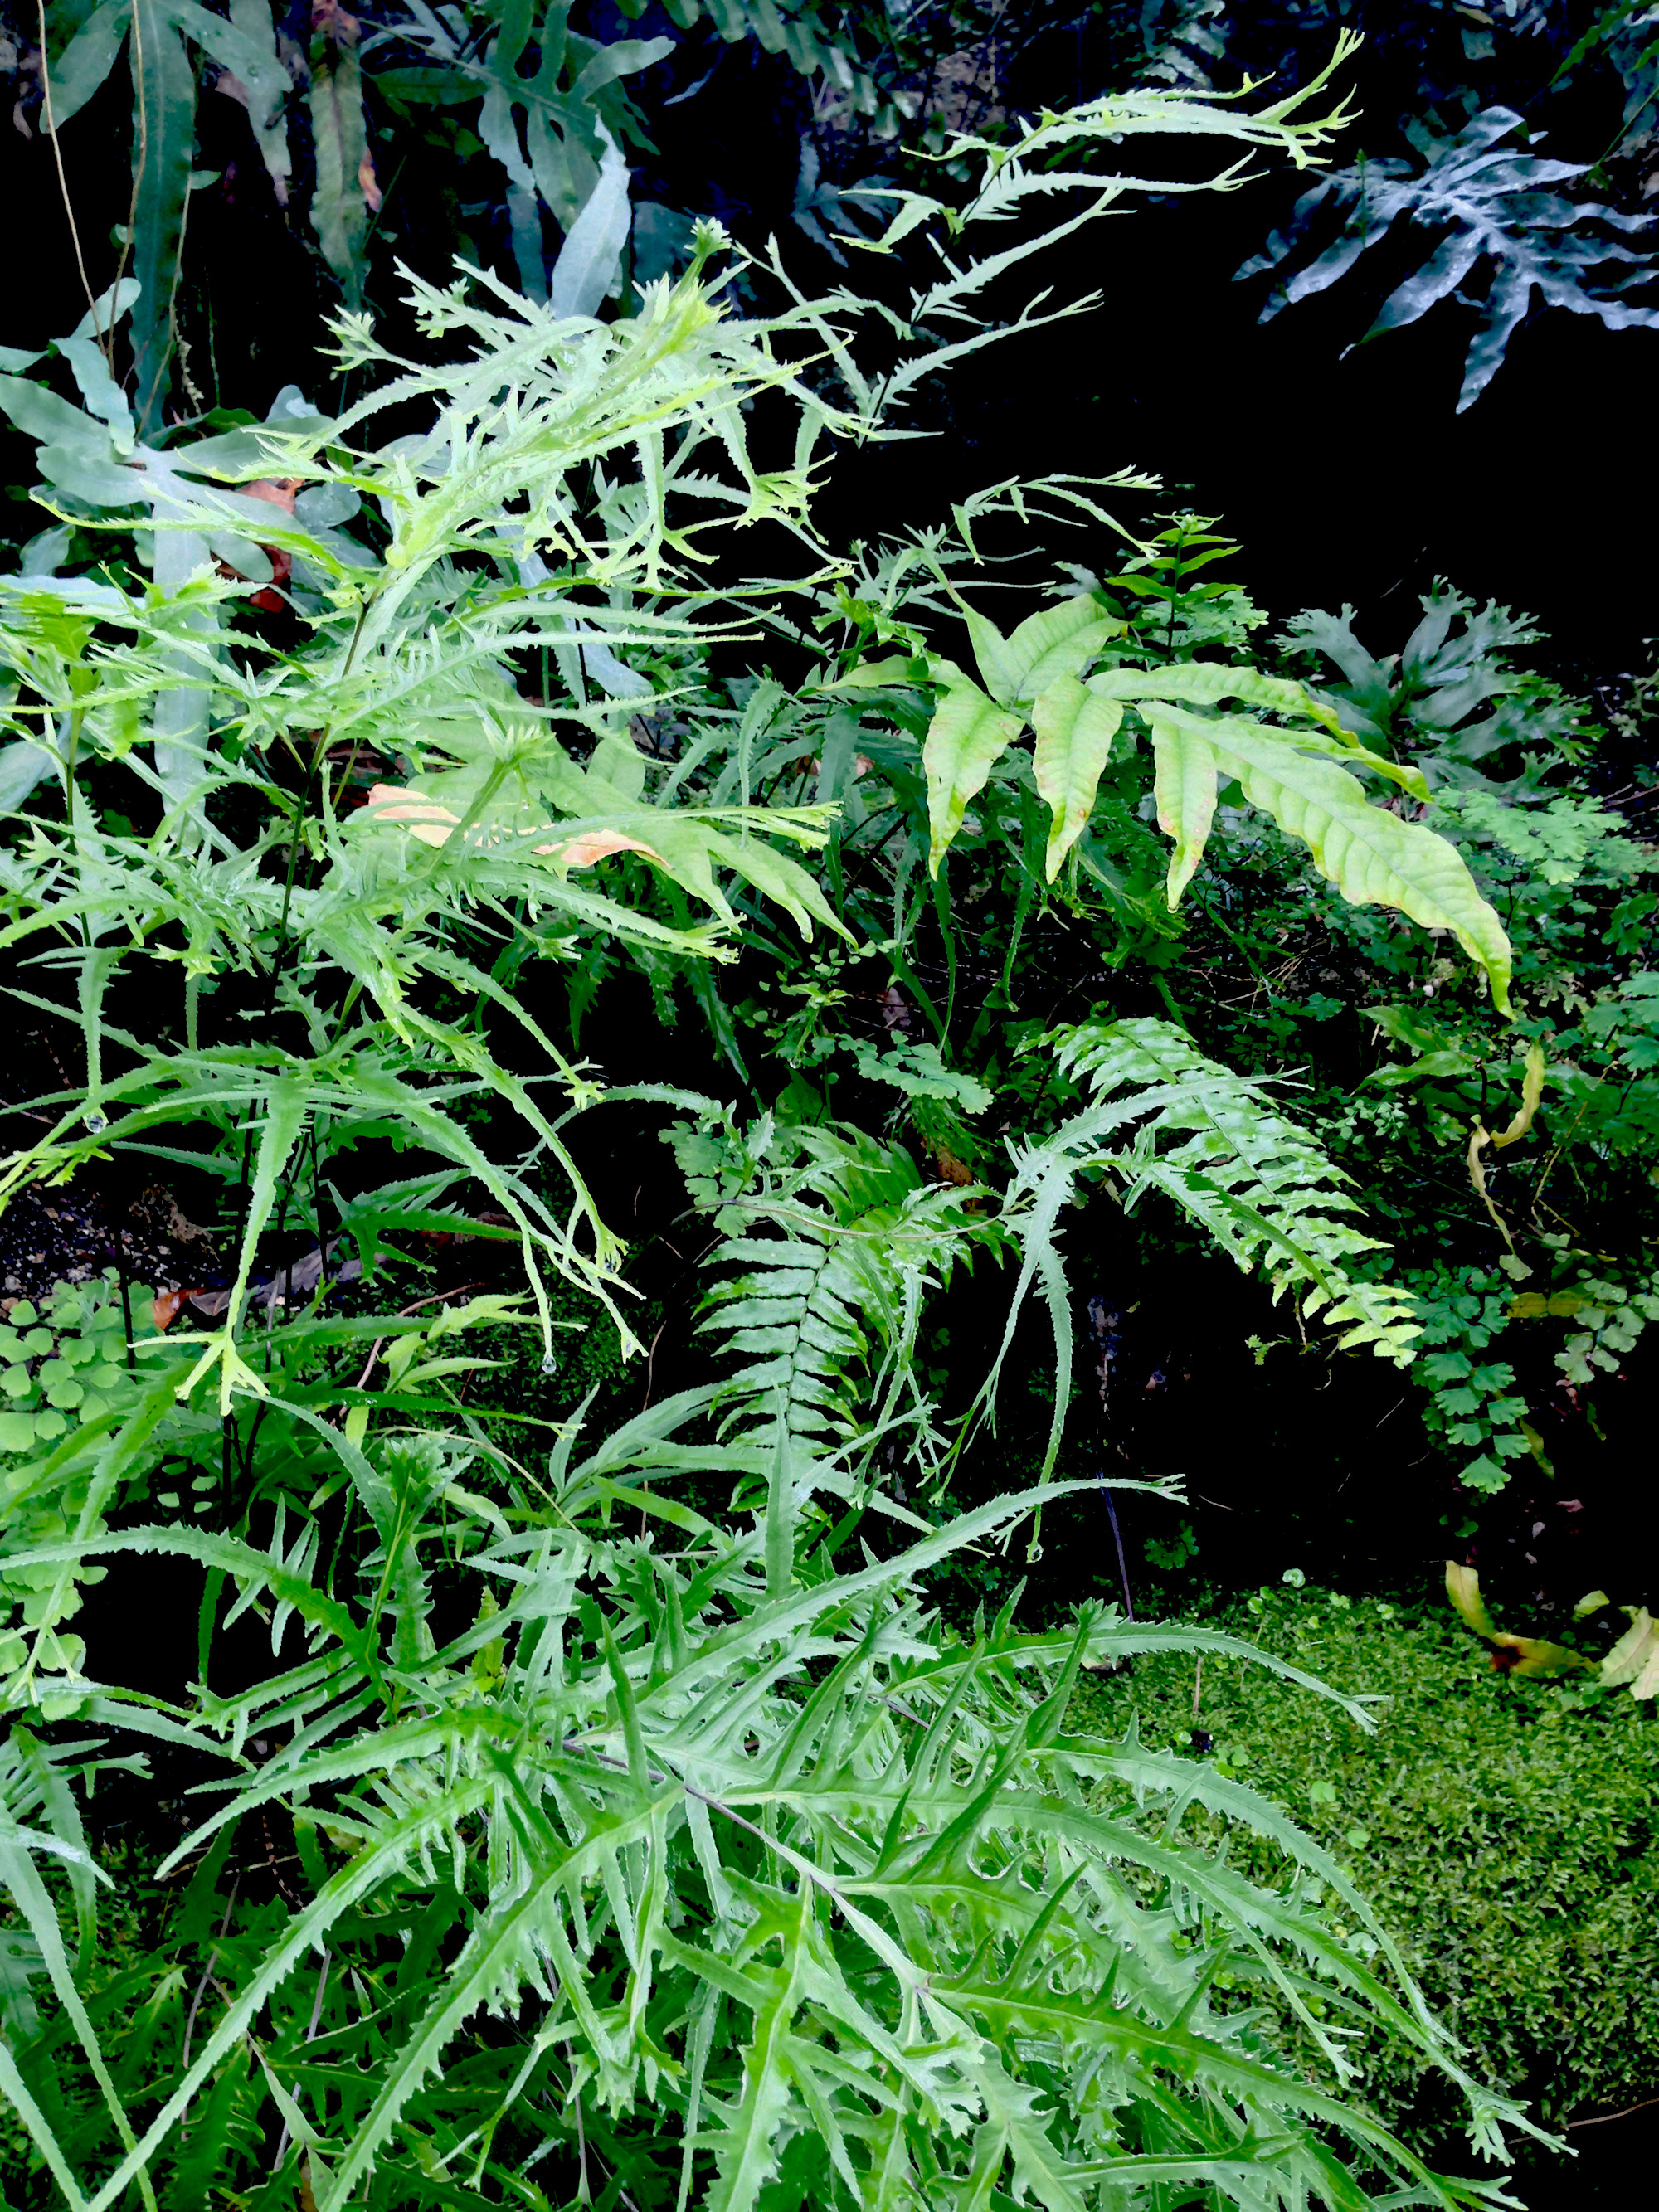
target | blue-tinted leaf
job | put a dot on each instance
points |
(1490, 204)
(591, 257)
(87, 59)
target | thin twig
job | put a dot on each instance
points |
(173, 344)
(403, 1314)
(309, 2037)
(107, 343)
(201, 1987)
(1117, 1538)
(651, 1365)
(1599, 2119)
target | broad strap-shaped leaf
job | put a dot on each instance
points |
(163, 137)
(1184, 785)
(1371, 854)
(345, 178)
(1055, 641)
(590, 259)
(1074, 728)
(86, 60)
(967, 736)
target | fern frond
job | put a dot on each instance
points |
(827, 1255)
(1302, 776)
(730, 1784)
(1257, 1181)
(1483, 202)
(1253, 1180)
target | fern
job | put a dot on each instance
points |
(565, 484)
(1492, 205)
(756, 1860)
(830, 1243)
(1254, 1181)
(675, 1851)
(1452, 696)
(942, 322)
(820, 1311)
(1303, 776)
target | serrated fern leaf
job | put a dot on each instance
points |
(1165, 1117)
(1301, 777)
(759, 1860)
(826, 1258)
(1281, 1197)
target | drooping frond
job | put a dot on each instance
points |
(1165, 1118)
(1303, 768)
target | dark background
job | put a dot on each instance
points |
(1346, 474)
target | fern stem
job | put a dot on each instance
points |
(1117, 1539)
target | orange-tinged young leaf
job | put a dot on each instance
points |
(434, 823)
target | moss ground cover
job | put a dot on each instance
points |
(1504, 1830)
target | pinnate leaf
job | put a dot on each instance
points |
(1074, 728)
(966, 736)
(1373, 856)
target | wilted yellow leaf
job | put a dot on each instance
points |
(1463, 1589)
(1633, 1655)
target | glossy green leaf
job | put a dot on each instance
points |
(85, 64)
(1054, 643)
(1205, 682)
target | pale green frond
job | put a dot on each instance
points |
(1054, 642)
(1302, 778)
(1074, 727)
(1260, 1182)
(1260, 1185)
(1206, 682)
(1373, 855)
(1184, 785)
(967, 736)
